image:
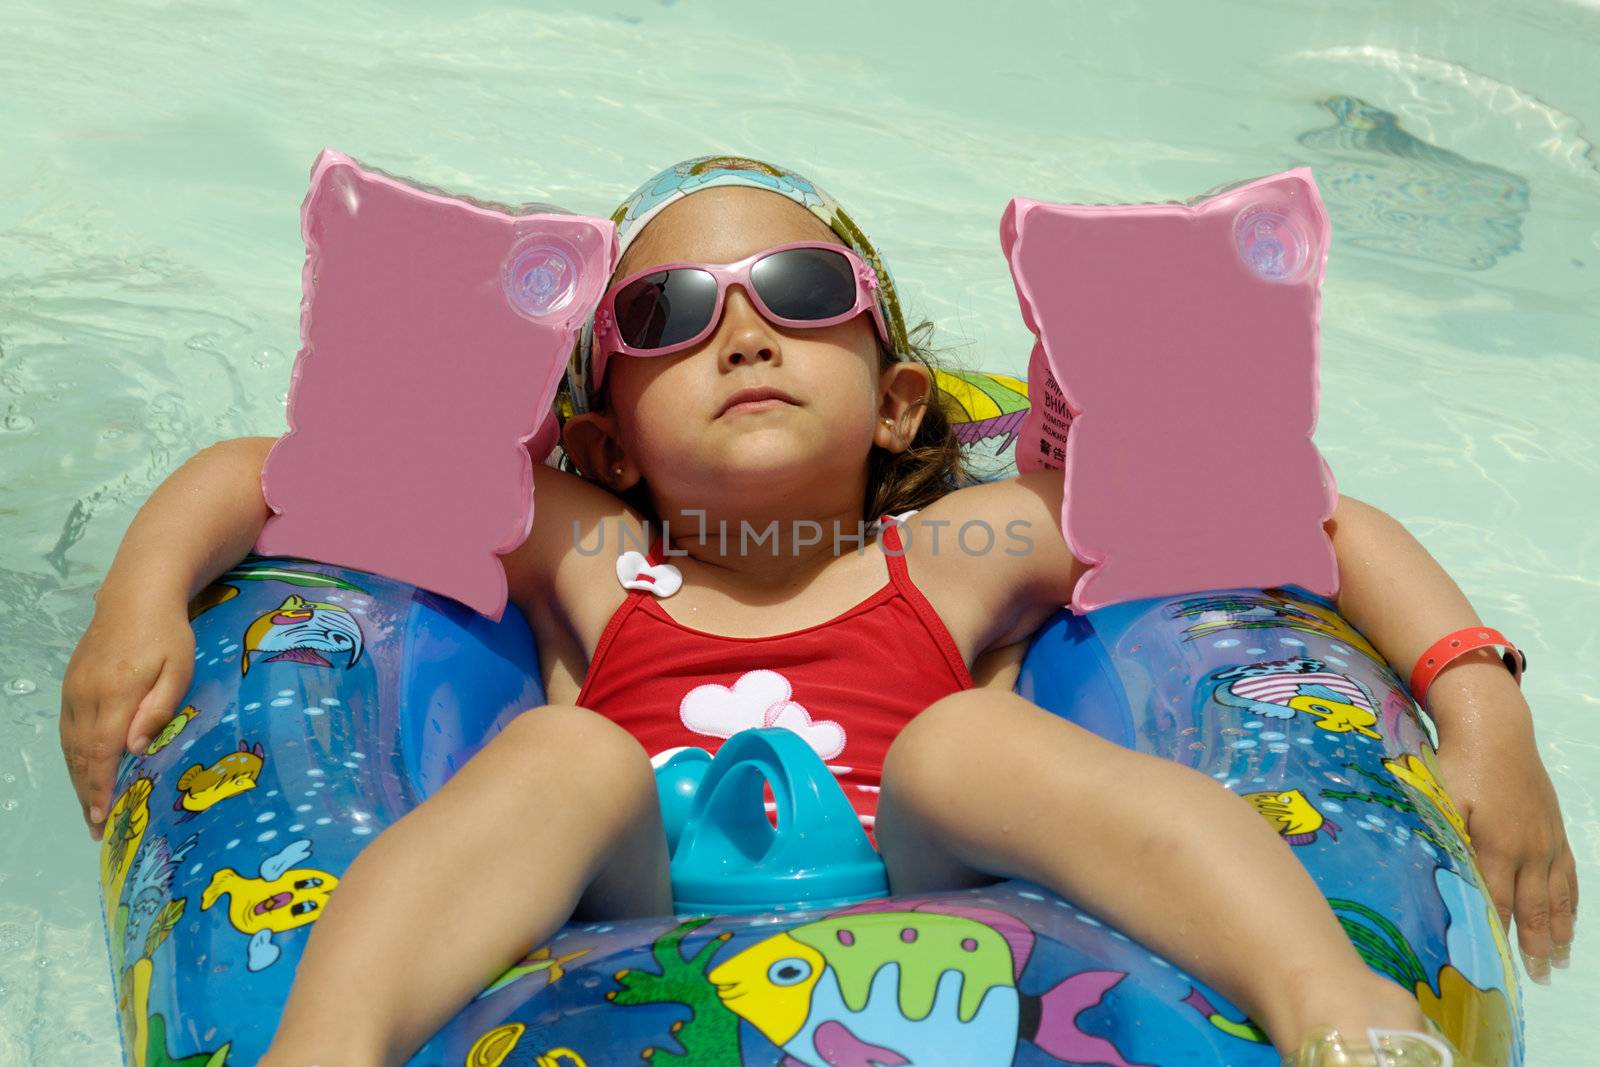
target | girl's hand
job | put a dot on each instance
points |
(122, 685)
(1514, 820)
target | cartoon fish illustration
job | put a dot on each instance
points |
(933, 984)
(282, 898)
(1415, 773)
(1292, 815)
(302, 631)
(1244, 1031)
(1269, 609)
(1278, 690)
(200, 787)
(125, 826)
(170, 732)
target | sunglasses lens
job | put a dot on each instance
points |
(806, 284)
(665, 308)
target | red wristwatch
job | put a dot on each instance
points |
(1452, 646)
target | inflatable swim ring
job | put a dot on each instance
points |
(327, 702)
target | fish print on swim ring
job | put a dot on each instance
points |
(1279, 690)
(302, 631)
(910, 983)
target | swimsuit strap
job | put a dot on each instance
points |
(894, 553)
(653, 555)
(633, 600)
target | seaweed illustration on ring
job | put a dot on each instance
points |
(1436, 830)
(710, 1036)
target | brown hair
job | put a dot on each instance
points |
(930, 467)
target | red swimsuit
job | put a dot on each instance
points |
(848, 685)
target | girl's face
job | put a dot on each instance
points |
(668, 415)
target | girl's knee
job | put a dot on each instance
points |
(567, 739)
(940, 741)
(982, 732)
(567, 727)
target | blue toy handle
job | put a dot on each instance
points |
(730, 857)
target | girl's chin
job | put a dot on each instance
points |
(776, 461)
(768, 440)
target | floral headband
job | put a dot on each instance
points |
(708, 172)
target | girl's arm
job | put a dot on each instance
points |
(1396, 594)
(1402, 600)
(135, 660)
(564, 576)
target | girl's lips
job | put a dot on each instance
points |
(750, 406)
(756, 398)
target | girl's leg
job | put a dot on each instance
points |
(559, 810)
(984, 782)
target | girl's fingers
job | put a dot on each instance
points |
(1500, 880)
(1572, 879)
(1534, 920)
(157, 707)
(91, 750)
(77, 763)
(1563, 907)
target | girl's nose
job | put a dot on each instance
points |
(746, 337)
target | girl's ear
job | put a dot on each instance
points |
(904, 390)
(591, 440)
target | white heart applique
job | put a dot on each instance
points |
(635, 572)
(758, 698)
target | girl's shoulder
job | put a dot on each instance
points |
(1003, 495)
(999, 545)
(570, 517)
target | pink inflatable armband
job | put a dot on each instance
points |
(434, 333)
(1184, 341)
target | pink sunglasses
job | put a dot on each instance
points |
(804, 285)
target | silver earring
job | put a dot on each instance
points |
(616, 472)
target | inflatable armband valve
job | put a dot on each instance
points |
(730, 859)
(1184, 341)
(434, 334)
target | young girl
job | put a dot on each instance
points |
(780, 400)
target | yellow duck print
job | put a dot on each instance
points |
(283, 898)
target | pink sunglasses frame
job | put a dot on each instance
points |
(608, 339)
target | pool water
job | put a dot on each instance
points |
(155, 155)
